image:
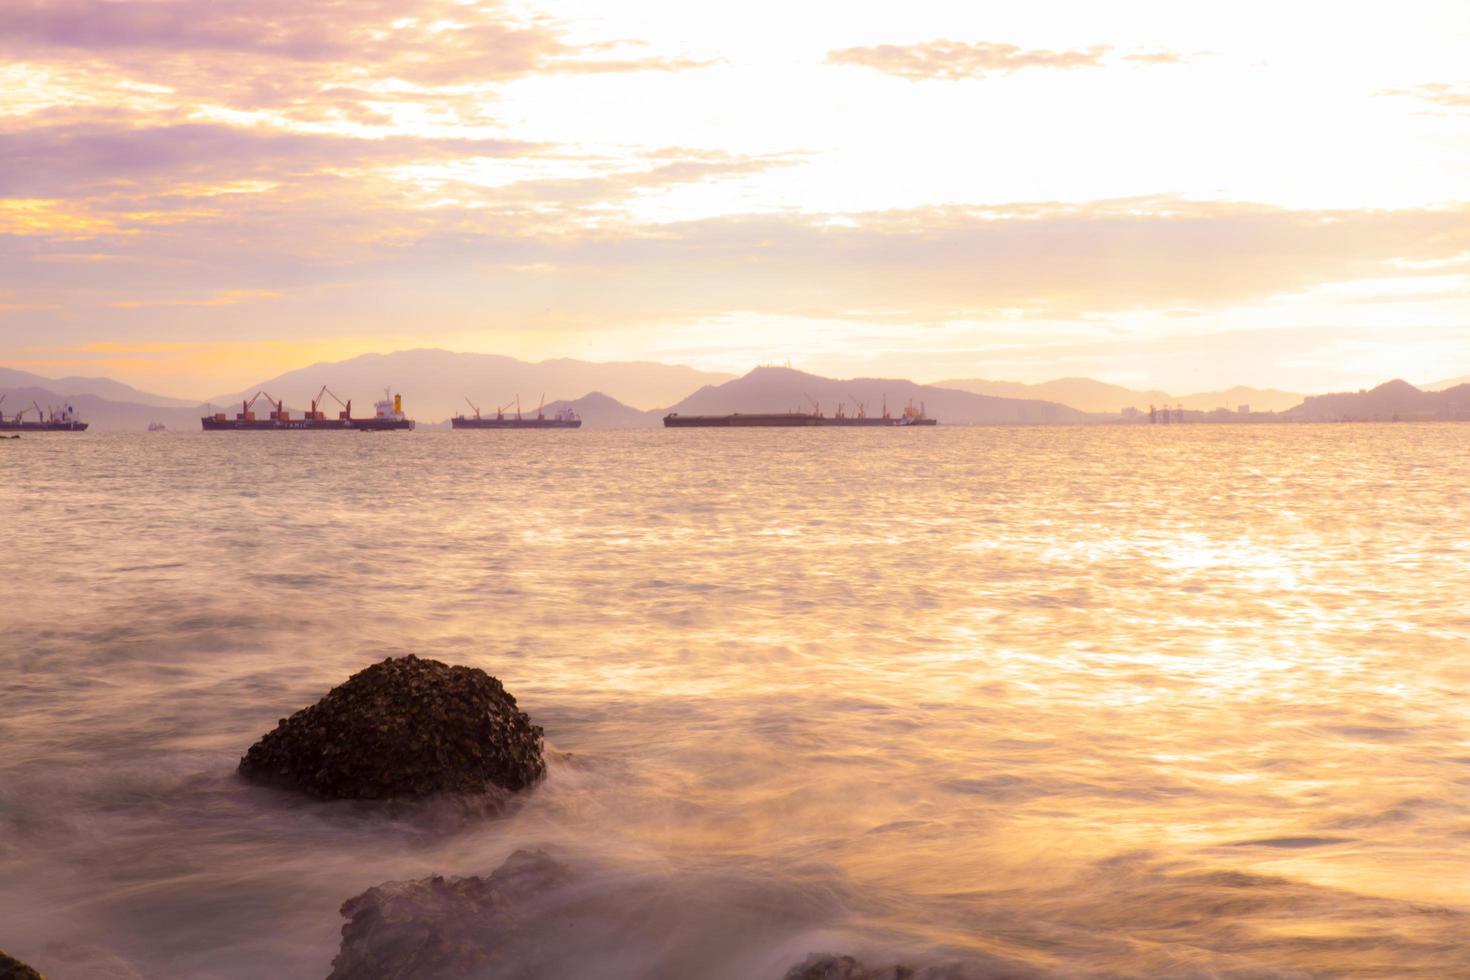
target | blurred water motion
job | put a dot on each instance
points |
(1182, 702)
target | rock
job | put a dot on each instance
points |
(13, 969)
(441, 927)
(825, 966)
(403, 728)
(819, 966)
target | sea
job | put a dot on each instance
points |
(1184, 701)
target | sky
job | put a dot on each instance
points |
(197, 195)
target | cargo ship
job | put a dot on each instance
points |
(564, 419)
(62, 419)
(388, 414)
(910, 416)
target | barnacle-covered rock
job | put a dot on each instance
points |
(13, 969)
(403, 729)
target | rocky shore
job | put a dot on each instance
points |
(410, 728)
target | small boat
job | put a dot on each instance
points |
(157, 427)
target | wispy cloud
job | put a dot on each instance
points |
(1441, 94)
(958, 59)
(227, 297)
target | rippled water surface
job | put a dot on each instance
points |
(1184, 701)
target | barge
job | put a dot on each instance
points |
(564, 419)
(815, 418)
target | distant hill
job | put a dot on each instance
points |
(773, 389)
(599, 411)
(1448, 383)
(1391, 402)
(1089, 395)
(114, 391)
(434, 383)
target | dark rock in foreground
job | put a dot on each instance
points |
(403, 728)
(440, 927)
(13, 969)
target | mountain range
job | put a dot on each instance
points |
(1394, 401)
(438, 383)
(622, 395)
(1099, 396)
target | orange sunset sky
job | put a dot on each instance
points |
(197, 195)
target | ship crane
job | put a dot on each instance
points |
(885, 406)
(816, 405)
(862, 408)
(540, 414)
(317, 414)
(500, 411)
(472, 405)
(247, 407)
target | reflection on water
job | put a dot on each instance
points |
(1181, 701)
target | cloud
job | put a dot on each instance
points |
(79, 158)
(227, 297)
(956, 59)
(1014, 263)
(304, 60)
(1155, 57)
(1441, 94)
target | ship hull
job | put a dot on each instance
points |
(303, 425)
(783, 420)
(464, 423)
(12, 426)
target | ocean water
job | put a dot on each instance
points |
(1179, 702)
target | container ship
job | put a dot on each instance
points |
(910, 416)
(564, 419)
(388, 415)
(62, 419)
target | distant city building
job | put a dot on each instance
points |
(1131, 413)
(1242, 409)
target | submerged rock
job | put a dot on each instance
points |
(13, 969)
(441, 927)
(403, 728)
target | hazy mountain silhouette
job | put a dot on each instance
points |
(1448, 383)
(434, 383)
(599, 411)
(100, 414)
(1089, 395)
(72, 387)
(773, 389)
(1393, 401)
